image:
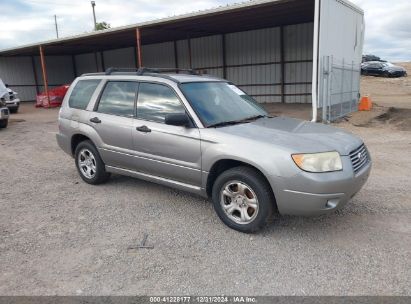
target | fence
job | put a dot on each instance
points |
(340, 88)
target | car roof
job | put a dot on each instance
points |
(182, 78)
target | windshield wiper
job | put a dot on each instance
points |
(225, 123)
(234, 122)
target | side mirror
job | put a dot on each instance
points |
(178, 119)
(6, 85)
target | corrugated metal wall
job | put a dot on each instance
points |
(59, 71)
(160, 55)
(253, 61)
(120, 58)
(88, 63)
(19, 71)
(298, 55)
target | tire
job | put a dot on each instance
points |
(92, 169)
(250, 197)
(4, 123)
(14, 111)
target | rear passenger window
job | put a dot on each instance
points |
(82, 92)
(118, 98)
(155, 101)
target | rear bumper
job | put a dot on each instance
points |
(313, 194)
(64, 143)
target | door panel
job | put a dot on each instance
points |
(163, 150)
(116, 148)
(168, 151)
(113, 121)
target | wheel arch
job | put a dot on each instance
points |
(76, 139)
(225, 164)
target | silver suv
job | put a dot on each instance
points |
(205, 135)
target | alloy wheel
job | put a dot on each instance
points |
(239, 202)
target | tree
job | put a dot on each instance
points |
(102, 26)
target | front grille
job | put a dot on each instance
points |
(359, 158)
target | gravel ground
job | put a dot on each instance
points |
(60, 236)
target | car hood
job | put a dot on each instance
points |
(299, 136)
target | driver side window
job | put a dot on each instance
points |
(155, 101)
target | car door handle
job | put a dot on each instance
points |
(144, 129)
(95, 120)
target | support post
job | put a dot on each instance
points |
(190, 62)
(44, 73)
(175, 55)
(36, 82)
(103, 65)
(73, 62)
(96, 62)
(224, 56)
(282, 60)
(138, 47)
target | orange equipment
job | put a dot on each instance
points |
(365, 103)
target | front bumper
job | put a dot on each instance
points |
(397, 74)
(13, 106)
(309, 194)
(4, 113)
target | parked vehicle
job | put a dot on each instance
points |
(205, 135)
(385, 69)
(366, 58)
(10, 97)
(4, 111)
(4, 114)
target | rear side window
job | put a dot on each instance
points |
(82, 92)
(155, 101)
(118, 98)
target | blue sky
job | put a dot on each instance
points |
(388, 23)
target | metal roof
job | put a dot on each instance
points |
(239, 17)
(226, 19)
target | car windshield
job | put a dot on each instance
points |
(219, 103)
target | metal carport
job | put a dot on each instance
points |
(269, 48)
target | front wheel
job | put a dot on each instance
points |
(4, 123)
(243, 199)
(89, 164)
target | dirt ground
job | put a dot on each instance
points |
(60, 236)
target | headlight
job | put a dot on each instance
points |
(318, 162)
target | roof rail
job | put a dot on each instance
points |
(144, 70)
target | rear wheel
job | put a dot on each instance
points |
(243, 199)
(89, 164)
(14, 111)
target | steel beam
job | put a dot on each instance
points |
(190, 61)
(138, 47)
(44, 73)
(224, 56)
